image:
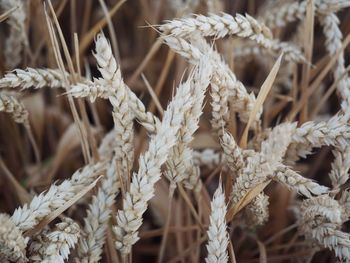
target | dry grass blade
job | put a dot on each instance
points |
(317, 82)
(262, 250)
(248, 197)
(89, 37)
(23, 196)
(5, 15)
(308, 46)
(264, 90)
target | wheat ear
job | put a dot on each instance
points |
(335, 132)
(321, 221)
(123, 119)
(12, 242)
(96, 222)
(27, 216)
(294, 11)
(31, 77)
(217, 235)
(258, 167)
(297, 182)
(333, 43)
(54, 246)
(180, 157)
(232, 90)
(141, 190)
(218, 26)
(11, 105)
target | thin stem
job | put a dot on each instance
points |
(167, 223)
(34, 145)
(190, 205)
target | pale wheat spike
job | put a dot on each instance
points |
(334, 40)
(123, 96)
(98, 89)
(108, 145)
(217, 235)
(193, 180)
(233, 154)
(55, 246)
(339, 173)
(15, 108)
(27, 216)
(31, 77)
(272, 147)
(17, 37)
(240, 100)
(112, 86)
(292, 52)
(322, 207)
(331, 237)
(91, 90)
(53, 78)
(12, 242)
(260, 165)
(297, 182)
(180, 156)
(96, 222)
(257, 212)
(220, 108)
(294, 11)
(219, 93)
(119, 99)
(344, 201)
(218, 26)
(335, 132)
(141, 190)
(321, 221)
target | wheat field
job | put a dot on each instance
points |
(174, 131)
